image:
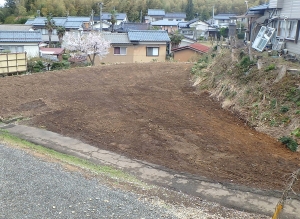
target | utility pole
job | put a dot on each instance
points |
(100, 5)
(213, 19)
(92, 19)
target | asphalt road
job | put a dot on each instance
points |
(33, 188)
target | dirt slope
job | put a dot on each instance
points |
(149, 112)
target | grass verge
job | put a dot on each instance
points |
(108, 172)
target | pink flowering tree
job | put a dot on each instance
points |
(86, 44)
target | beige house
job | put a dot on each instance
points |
(190, 53)
(136, 46)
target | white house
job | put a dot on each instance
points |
(21, 41)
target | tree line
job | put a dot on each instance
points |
(18, 11)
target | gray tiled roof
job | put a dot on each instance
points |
(156, 12)
(20, 36)
(72, 24)
(259, 7)
(107, 16)
(176, 15)
(223, 16)
(183, 24)
(120, 38)
(67, 22)
(29, 21)
(149, 36)
(164, 23)
(134, 26)
(59, 21)
(193, 21)
(78, 19)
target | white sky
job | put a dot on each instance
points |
(2, 2)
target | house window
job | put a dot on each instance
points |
(152, 51)
(287, 29)
(292, 29)
(44, 31)
(120, 50)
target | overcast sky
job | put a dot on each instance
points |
(2, 2)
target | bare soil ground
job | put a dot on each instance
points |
(149, 112)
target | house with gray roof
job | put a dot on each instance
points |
(70, 23)
(222, 20)
(169, 26)
(128, 26)
(137, 46)
(175, 16)
(195, 28)
(105, 17)
(21, 41)
(160, 14)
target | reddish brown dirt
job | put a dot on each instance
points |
(149, 112)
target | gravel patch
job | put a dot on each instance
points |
(33, 188)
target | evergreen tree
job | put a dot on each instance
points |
(113, 19)
(11, 6)
(189, 10)
(50, 26)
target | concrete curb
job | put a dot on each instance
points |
(228, 195)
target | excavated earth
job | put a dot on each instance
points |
(153, 113)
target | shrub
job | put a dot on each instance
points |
(284, 109)
(296, 132)
(241, 35)
(60, 65)
(273, 103)
(245, 63)
(289, 142)
(270, 67)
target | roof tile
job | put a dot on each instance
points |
(149, 36)
(20, 36)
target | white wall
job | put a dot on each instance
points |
(32, 50)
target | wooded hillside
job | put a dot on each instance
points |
(23, 8)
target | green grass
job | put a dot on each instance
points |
(107, 171)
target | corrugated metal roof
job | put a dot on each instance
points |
(176, 15)
(20, 36)
(164, 23)
(156, 12)
(53, 51)
(120, 38)
(149, 36)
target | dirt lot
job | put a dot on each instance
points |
(149, 112)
